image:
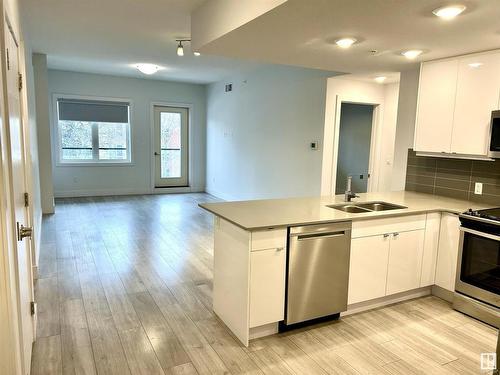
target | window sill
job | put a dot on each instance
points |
(94, 164)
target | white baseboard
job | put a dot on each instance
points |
(98, 193)
(387, 300)
(111, 192)
(220, 195)
(442, 293)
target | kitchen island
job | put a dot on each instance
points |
(395, 255)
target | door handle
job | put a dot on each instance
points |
(395, 234)
(157, 153)
(23, 232)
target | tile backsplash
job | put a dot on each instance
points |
(453, 178)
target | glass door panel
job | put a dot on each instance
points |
(171, 146)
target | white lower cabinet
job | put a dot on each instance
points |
(405, 261)
(387, 256)
(447, 259)
(267, 286)
(368, 268)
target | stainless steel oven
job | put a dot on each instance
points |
(478, 271)
(494, 150)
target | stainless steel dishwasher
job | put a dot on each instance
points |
(318, 271)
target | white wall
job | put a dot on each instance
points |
(258, 135)
(135, 178)
(357, 91)
(405, 130)
(41, 89)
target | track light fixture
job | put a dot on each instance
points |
(180, 47)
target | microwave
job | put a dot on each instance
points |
(494, 151)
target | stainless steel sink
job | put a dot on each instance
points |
(379, 206)
(359, 208)
(350, 208)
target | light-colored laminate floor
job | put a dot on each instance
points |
(125, 288)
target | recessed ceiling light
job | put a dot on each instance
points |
(148, 68)
(380, 79)
(475, 65)
(196, 53)
(411, 54)
(449, 12)
(345, 42)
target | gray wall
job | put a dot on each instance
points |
(135, 178)
(258, 135)
(454, 178)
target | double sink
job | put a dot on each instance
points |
(359, 208)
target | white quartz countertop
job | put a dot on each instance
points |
(274, 213)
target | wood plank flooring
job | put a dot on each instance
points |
(125, 288)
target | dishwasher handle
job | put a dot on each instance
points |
(312, 236)
(326, 229)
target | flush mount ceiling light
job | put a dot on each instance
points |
(345, 42)
(196, 53)
(475, 64)
(380, 79)
(412, 53)
(147, 68)
(449, 12)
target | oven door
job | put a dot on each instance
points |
(478, 270)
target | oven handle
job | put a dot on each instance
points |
(480, 234)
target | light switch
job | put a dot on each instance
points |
(478, 188)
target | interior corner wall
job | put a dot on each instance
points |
(259, 134)
(405, 128)
(357, 91)
(41, 92)
(134, 178)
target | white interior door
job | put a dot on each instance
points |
(171, 146)
(23, 253)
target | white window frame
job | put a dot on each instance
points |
(57, 142)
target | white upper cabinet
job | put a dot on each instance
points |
(436, 104)
(478, 91)
(455, 100)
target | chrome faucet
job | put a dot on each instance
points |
(349, 194)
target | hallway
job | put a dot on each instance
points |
(125, 288)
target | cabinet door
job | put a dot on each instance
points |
(436, 105)
(267, 286)
(446, 267)
(478, 90)
(405, 261)
(368, 268)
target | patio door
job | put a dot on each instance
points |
(171, 146)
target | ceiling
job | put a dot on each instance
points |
(108, 36)
(303, 33)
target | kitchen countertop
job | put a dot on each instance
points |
(274, 213)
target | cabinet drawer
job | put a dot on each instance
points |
(375, 227)
(268, 239)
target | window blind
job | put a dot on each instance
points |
(93, 111)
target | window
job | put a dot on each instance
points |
(93, 131)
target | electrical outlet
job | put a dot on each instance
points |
(478, 188)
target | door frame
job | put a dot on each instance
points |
(11, 320)
(374, 141)
(181, 189)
